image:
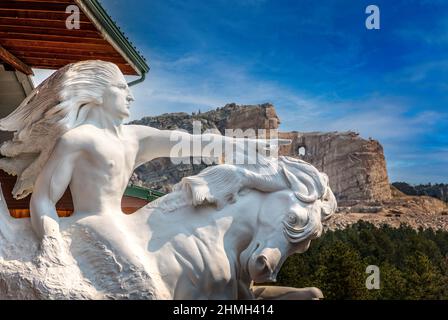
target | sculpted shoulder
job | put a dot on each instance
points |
(141, 131)
(78, 138)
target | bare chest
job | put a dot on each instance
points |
(112, 156)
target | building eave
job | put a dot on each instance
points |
(96, 13)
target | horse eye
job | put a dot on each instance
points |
(292, 219)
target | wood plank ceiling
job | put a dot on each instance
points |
(35, 32)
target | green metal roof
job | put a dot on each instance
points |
(142, 193)
(115, 36)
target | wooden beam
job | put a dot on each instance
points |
(27, 30)
(75, 44)
(73, 38)
(38, 55)
(12, 60)
(42, 52)
(39, 23)
(24, 51)
(33, 6)
(54, 16)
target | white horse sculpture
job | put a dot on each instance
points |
(205, 240)
(187, 251)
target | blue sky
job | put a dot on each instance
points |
(314, 60)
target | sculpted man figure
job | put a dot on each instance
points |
(69, 132)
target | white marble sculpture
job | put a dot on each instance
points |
(211, 238)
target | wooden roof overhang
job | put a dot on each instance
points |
(33, 34)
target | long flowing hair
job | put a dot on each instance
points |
(53, 108)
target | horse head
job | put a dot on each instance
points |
(289, 219)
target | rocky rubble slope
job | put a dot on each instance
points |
(415, 211)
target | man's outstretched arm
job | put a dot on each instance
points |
(155, 143)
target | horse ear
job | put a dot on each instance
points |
(304, 193)
(286, 174)
(292, 181)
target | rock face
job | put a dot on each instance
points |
(231, 116)
(356, 167)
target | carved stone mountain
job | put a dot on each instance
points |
(356, 167)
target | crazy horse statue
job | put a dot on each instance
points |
(213, 237)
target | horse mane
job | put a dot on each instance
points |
(222, 184)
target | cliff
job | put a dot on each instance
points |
(231, 116)
(356, 167)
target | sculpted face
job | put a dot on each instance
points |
(117, 98)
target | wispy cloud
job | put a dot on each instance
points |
(420, 72)
(175, 86)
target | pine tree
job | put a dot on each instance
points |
(341, 273)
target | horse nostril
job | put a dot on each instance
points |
(261, 262)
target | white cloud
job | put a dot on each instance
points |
(177, 85)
